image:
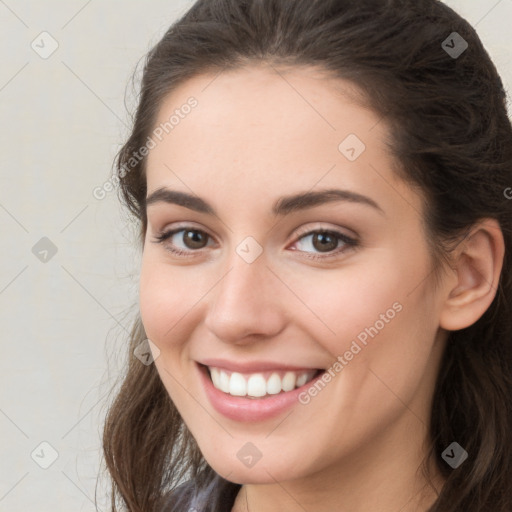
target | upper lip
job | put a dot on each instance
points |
(252, 366)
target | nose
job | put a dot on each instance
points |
(247, 303)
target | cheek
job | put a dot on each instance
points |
(166, 302)
(343, 303)
(167, 295)
(381, 309)
(385, 332)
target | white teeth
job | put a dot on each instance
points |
(255, 385)
(289, 380)
(274, 384)
(223, 382)
(301, 380)
(214, 372)
(237, 385)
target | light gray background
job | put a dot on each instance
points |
(64, 321)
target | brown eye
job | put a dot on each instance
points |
(194, 239)
(324, 244)
(183, 241)
(324, 241)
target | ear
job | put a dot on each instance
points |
(477, 264)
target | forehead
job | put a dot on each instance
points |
(290, 103)
(269, 129)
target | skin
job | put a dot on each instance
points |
(257, 135)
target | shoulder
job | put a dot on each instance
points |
(213, 495)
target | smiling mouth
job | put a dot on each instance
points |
(257, 385)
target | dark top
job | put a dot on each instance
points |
(214, 495)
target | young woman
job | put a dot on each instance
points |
(324, 195)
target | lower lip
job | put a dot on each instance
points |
(240, 408)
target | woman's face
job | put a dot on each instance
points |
(259, 293)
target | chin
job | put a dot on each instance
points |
(263, 471)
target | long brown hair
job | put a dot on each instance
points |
(451, 137)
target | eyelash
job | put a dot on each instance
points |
(350, 243)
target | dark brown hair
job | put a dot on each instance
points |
(451, 138)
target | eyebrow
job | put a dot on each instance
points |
(283, 206)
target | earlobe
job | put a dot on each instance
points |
(478, 261)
